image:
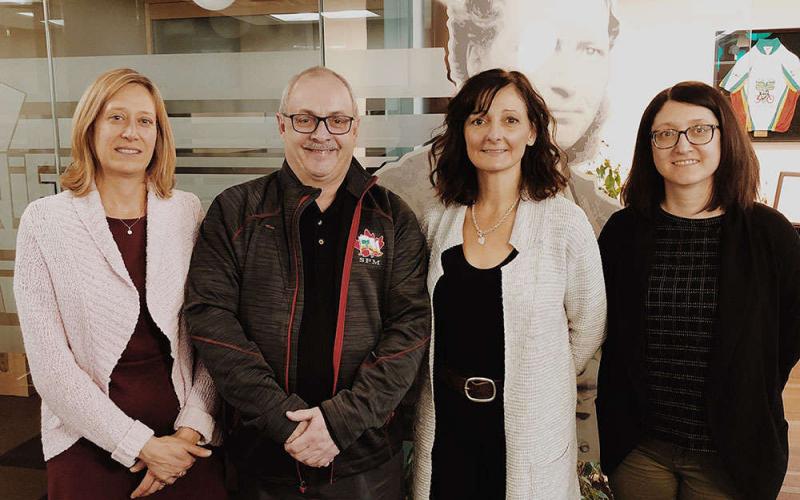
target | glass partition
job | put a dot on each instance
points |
(222, 73)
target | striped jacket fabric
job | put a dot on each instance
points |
(245, 303)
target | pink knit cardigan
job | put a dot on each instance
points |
(78, 307)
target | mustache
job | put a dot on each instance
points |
(318, 146)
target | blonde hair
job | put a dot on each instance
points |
(81, 172)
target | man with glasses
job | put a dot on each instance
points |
(306, 300)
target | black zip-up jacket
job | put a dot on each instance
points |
(756, 345)
(244, 301)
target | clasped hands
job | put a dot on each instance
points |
(310, 443)
(167, 459)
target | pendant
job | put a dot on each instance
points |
(130, 232)
(481, 239)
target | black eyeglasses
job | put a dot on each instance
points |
(696, 134)
(307, 124)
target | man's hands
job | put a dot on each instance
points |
(310, 442)
(167, 458)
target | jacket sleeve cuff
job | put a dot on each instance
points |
(338, 423)
(281, 428)
(198, 420)
(330, 428)
(132, 443)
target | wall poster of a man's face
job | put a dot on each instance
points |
(562, 46)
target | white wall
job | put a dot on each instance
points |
(662, 43)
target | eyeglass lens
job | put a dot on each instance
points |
(336, 124)
(697, 135)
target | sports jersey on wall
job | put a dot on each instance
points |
(764, 86)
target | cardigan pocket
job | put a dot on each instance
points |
(554, 480)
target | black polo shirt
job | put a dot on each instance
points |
(323, 238)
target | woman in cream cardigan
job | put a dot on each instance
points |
(519, 304)
(99, 283)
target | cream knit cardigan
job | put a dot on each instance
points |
(78, 307)
(554, 318)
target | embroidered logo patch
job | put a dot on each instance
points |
(369, 247)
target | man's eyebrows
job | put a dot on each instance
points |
(305, 111)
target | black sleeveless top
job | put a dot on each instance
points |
(469, 446)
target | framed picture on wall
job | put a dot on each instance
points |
(787, 196)
(760, 71)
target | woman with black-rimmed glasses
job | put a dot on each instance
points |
(703, 288)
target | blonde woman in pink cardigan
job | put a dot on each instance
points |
(99, 281)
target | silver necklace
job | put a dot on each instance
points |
(130, 226)
(481, 233)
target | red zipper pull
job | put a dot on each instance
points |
(302, 485)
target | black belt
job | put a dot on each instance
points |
(476, 389)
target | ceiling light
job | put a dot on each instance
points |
(26, 14)
(349, 14)
(297, 17)
(214, 4)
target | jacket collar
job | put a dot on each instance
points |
(355, 181)
(161, 225)
(453, 220)
(734, 281)
(90, 211)
(527, 224)
(641, 258)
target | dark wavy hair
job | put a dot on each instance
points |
(454, 177)
(736, 180)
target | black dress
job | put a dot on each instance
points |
(469, 450)
(141, 385)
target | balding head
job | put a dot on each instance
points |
(315, 72)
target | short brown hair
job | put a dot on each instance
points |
(81, 172)
(736, 179)
(454, 176)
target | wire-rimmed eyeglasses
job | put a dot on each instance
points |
(304, 123)
(696, 134)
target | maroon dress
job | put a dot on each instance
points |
(141, 386)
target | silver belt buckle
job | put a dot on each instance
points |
(479, 380)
